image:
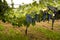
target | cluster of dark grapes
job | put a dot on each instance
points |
(37, 17)
(49, 17)
(44, 16)
(28, 18)
(31, 20)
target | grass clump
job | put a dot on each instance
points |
(11, 34)
(49, 34)
(1, 27)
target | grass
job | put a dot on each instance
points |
(5, 36)
(15, 35)
(11, 34)
(1, 27)
(35, 33)
(49, 34)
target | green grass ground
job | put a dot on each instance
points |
(38, 32)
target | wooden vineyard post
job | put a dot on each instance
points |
(26, 30)
(53, 19)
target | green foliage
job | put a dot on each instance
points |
(3, 8)
(17, 17)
